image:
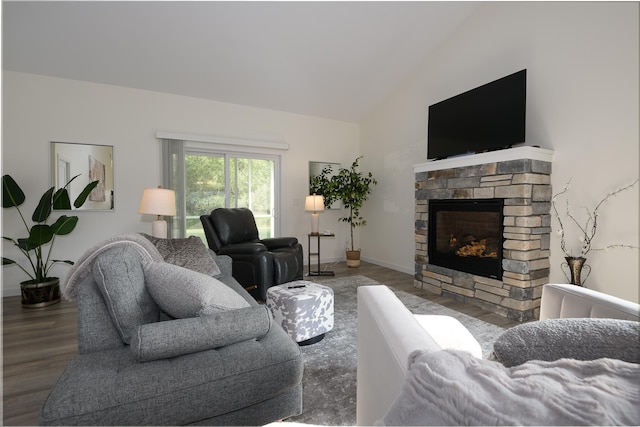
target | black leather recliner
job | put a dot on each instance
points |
(257, 263)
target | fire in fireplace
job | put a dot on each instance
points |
(467, 235)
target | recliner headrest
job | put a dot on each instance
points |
(235, 225)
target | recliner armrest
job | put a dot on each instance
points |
(279, 242)
(242, 248)
(172, 338)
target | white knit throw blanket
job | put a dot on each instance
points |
(451, 387)
(82, 267)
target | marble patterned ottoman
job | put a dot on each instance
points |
(304, 309)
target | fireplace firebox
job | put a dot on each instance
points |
(467, 235)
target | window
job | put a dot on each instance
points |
(207, 176)
(231, 181)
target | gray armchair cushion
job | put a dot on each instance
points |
(173, 338)
(184, 293)
(111, 388)
(574, 338)
(119, 276)
(189, 253)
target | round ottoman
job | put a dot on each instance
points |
(304, 309)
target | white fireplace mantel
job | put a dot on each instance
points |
(517, 153)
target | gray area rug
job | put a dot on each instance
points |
(329, 381)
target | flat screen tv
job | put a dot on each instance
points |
(489, 117)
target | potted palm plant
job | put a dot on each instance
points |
(352, 188)
(41, 289)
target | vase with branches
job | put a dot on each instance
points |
(587, 231)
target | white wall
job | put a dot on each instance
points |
(582, 61)
(37, 110)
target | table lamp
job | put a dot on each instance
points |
(314, 204)
(160, 202)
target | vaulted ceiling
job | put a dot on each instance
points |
(337, 60)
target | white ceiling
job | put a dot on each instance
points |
(337, 60)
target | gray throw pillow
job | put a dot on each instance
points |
(189, 253)
(183, 293)
(118, 275)
(162, 340)
(574, 338)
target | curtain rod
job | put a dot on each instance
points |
(277, 145)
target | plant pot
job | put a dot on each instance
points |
(353, 259)
(36, 295)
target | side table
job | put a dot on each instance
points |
(317, 254)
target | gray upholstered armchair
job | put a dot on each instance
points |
(224, 362)
(257, 263)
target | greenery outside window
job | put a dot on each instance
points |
(206, 177)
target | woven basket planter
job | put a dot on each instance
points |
(36, 295)
(353, 259)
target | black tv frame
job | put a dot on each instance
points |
(486, 118)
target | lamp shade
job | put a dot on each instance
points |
(158, 201)
(314, 203)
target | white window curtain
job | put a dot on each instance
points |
(173, 177)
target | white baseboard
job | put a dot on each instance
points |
(366, 259)
(388, 265)
(11, 292)
(323, 261)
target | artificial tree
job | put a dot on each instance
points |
(352, 187)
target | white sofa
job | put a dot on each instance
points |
(388, 333)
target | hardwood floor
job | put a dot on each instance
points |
(36, 346)
(38, 343)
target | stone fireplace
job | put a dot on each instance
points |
(489, 245)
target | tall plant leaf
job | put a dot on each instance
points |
(64, 225)
(85, 193)
(12, 194)
(40, 234)
(43, 210)
(71, 180)
(61, 200)
(25, 245)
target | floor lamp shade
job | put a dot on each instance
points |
(314, 204)
(160, 202)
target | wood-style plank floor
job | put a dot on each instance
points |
(38, 343)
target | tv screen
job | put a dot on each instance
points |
(486, 118)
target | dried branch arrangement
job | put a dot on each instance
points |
(588, 230)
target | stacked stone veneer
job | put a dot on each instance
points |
(525, 187)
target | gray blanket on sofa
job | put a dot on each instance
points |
(82, 267)
(451, 387)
